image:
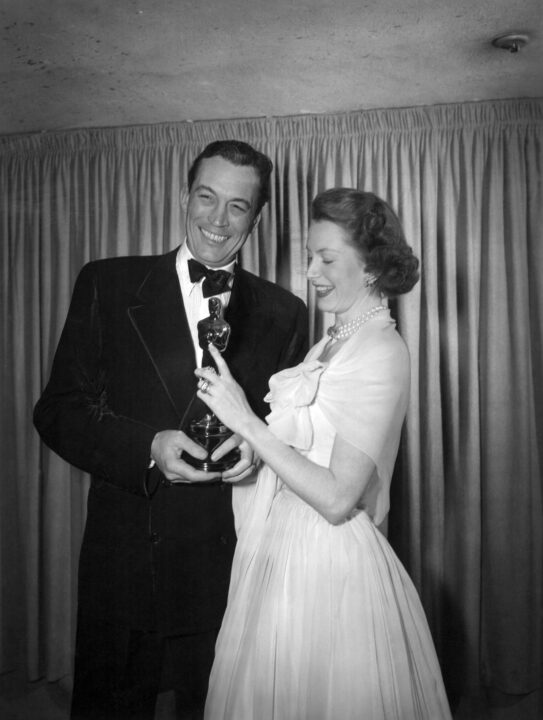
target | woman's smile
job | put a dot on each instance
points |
(323, 290)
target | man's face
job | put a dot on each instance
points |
(220, 210)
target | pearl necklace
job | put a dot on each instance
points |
(340, 332)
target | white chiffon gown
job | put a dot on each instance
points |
(323, 622)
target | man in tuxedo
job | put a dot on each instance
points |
(159, 537)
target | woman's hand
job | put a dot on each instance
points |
(244, 471)
(222, 394)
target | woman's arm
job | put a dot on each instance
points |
(333, 492)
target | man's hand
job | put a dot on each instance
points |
(245, 468)
(166, 450)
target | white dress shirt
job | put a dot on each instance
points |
(196, 305)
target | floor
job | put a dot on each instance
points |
(529, 707)
(44, 700)
(51, 701)
(41, 700)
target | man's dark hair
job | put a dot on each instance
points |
(238, 153)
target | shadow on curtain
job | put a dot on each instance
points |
(466, 515)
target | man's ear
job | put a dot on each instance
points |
(184, 197)
(255, 222)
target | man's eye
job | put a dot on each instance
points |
(239, 209)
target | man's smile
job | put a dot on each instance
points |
(213, 236)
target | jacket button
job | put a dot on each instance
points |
(154, 538)
(224, 539)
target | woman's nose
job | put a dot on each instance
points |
(312, 270)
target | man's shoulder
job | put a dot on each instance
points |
(122, 269)
(122, 263)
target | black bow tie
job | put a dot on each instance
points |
(216, 281)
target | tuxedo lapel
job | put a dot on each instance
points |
(236, 313)
(158, 316)
(249, 322)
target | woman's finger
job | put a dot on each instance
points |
(203, 396)
(222, 367)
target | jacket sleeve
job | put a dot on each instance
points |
(73, 416)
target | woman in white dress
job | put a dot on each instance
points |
(323, 622)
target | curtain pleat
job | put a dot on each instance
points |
(466, 513)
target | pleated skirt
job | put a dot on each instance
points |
(323, 623)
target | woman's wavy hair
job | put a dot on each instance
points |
(374, 230)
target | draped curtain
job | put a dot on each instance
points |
(466, 513)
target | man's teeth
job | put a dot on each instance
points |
(322, 290)
(212, 236)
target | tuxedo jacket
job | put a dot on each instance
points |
(154, 556)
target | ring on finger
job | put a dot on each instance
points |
(204, 386)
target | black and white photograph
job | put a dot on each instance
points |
(271, 360)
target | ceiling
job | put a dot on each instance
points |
(97, 63)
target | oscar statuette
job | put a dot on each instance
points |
(207, 430)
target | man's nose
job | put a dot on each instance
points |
(218, 216)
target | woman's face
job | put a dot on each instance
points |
(336, 270)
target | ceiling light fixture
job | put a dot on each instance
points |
(512, 41)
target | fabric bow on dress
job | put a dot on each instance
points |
(292, 391)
